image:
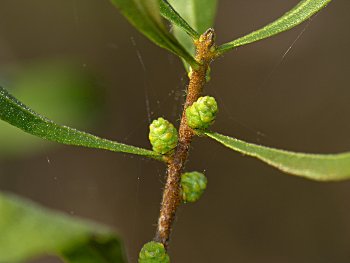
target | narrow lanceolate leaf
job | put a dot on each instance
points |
(19, 115)
(320, 167)
(29, 231)
(301, 12)
(199, 14)
(168, 12)
(145, 16)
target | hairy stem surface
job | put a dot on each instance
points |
(205, 52)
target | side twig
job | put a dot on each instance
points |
(205, 53)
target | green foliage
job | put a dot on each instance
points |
(153, 252)
(163, 136)
(202, 113)
(199, 14)
(301, 12)
(320, 167)
(168, 12)
(49, 84)
(145, 16)
(19, 115)
(193, 185)
(29, 231)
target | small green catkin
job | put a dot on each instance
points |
(202, 113)
(193, 185)
(153, 252)
(163, 136)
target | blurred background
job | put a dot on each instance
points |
(80, 63)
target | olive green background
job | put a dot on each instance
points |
(250, 212)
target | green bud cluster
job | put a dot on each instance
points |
(163, 136)
(193, 185)
(153, 252)
(201, 114)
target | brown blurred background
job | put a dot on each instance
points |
(250, 212)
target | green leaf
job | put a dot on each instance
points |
(19, 115)
(145, 16)
(168, 12)
(301, 12)
(29, 231)
(70, 85)
(199, 14)
(320, 167)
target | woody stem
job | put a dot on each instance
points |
(205, 52)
